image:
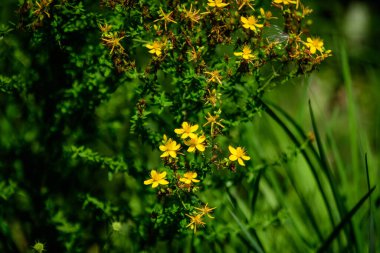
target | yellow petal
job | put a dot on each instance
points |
(313, 50)
(163, 181)
(149, 46)
(202, 138)
(165, 154)
(232, 157)
(238, 53)
(194, 128)
(179, 131)
(173, 154)
(149, 181)
(195, 180)
(201, 147)
(184, 136)
(192, 135)
(162, 148)
(155, 184)
(232, 150)
(240, 161)
(191, 149)
(244, 20)
(153, 173)
(163, 174)
(158, 52)
(259, 25)
(246, 157)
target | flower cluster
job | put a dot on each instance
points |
(183, 177)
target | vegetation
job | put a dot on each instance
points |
(206, 126)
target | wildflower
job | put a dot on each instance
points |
(116, 226)
(251, 23)
(192, 14)
(39, 247)
(314, 45)
(212, 120)
(195, 221)
(166, 17)
(212, 97)
(238, 154)
(187, 130)
(214, 76)
(112, 40)
(285, 2)
(157, 179)
(246, 54)
(196, 143)
(206, 211)
(169, 148)
(189, 177)
(216, 3)
(155, 47)
(245, 2)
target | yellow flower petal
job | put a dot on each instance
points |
(191, 149)
(194, 128)
(155, 184)
(244, 20)
(163, 181)
(246, 158)
(179, 131)
(240, 161)
(149, 181)
(200, 147)
(232, 157)
(232, 150)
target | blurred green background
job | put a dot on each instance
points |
(287, 210)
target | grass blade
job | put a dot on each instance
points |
(291, 135)
(372, 244)
(252, 242)
(346, 219)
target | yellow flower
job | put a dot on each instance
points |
(214, 76)
(246, 54)
(187, 130)
(169, 148)
(157, 179)
(189, 177)
(216, 3)
(250, 23)
(314, 45)
(238, 154)
(191, 14)
(155, 47)
(166, 17)
(212, 120)
(206, 211)
(196, 143)
(112, 40)
(285, 2)
(195, 221)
